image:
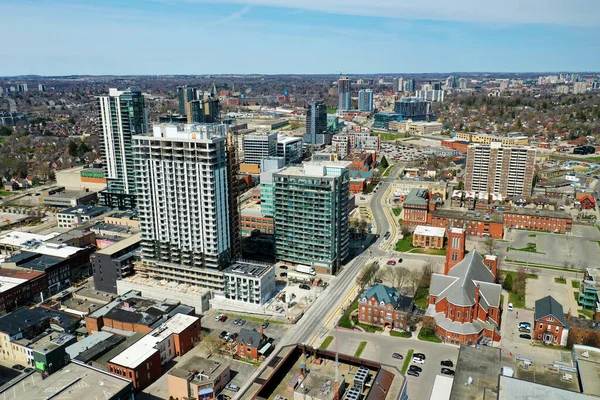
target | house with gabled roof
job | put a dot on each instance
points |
(550, 325)
(384, 306)
(464, 302)
(250, 342)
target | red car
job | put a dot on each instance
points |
(223, 318)
(391, 262)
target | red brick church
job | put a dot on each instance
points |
(465, 301)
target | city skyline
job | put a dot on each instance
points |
(274, 39)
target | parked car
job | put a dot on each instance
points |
(18, 367)
(391, 262)
(223, 318)
(378, 281)
(232, 387)
(265, 325)
(420, 355)
(447, 371)
(283, 274)
(415, 368)
(242, 322)
(28, 370)
(447, 363)
(412, 373)
(283, 267)
(398, 356)
(222, 335)
(400, 260)
(525, 336)
(304, 286)
(223, 397)
(524, 325)
(218, 317)
(236, 321)
(510, 306)
(524, 330)
(418, 360)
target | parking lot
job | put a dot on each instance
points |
(275, 329)
(544, 286)
(404, 152)
(380, 348)
(556, 249)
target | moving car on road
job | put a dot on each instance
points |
(232, 387)
(391, 262)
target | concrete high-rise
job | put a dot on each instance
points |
(290, 148)
(365, 100)
(344, 99)
(185, 94)
(414, 108)
(398, 84)
(122, 115)
(183, 202)
(259, 145)
(492, 168)
(311, 215)
(204, 110)
(316, 123)
(409, 85)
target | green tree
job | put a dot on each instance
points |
(384, 162)
(83, 148)
(73, 148)
(6, 131)
(508, 283)
(460, 186)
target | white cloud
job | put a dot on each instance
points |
(558, 12)
(235, 15)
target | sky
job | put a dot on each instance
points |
(159, 37)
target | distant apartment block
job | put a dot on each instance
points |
(115, 262)
(365, 100)
(249, 282)
(290, 148)
(316, 124)
(510, 139)
(258, 146)
(344, 99)
(414, 108)
(497, 169)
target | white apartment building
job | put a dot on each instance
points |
(183, 203)
(249, 282)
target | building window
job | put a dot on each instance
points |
(541, 326)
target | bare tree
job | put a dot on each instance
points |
(489, 245)
(367, 274)
(211, 344)
(426, 272)
(414, 281)
(402, 277)
(405, 230)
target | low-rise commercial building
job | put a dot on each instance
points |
(125, 218)
(74, 216)
(429, 237)
(67, 198)
(19, 287)
(458, 145)
(511, 139)
(51, 356)
(199, 378)
(384, 306)
(251, 218)
(416, 207)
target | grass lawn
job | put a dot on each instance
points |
(404, 244)
(588, 313)
(253, 319)
(389, 136)
(433, 252)
(360, 349)
(4, 193)
(331, 110)
(400, 334)
(428, 335)
(593, 159)
(531, 248)
(576, 295)
(536, 265)
(575, 284)
(515, 275)
(407, 360)
(345, 320)
(326, 343)
(397, 211)
(516, 301)
(532, 235)
(370, 328)
(595, 241)
(389, 170)
(560, 280)
(410, 138)
(421, 297)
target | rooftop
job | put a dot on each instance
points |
(319, 169)
(24, 318)
(122, 244)
(99, 349)
(417, 197)
(90, 211)
(76, 348)
(248, 268)
(38, 262)
(588, 363)
(57, 341)
(468, 215)
(37, 243)
(549, 306)
(388, 295)
(429, 231)
(517, 389)
(137, 353)
(478, 365)
(68, 195)
(200, 368)
(538, 212)
(132, 307)
(74, 381)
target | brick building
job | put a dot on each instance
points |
(475, 223)
(538, 220)
(458, 145)
(141, 365)
(383, 306)
(252, 219)
(250, 343)
(583, 331)
(464, 302)
(18, 287)
(416, 207)
(361, 161)
(550, 326)
(200, 377)
(429, 237)
(584, 201)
